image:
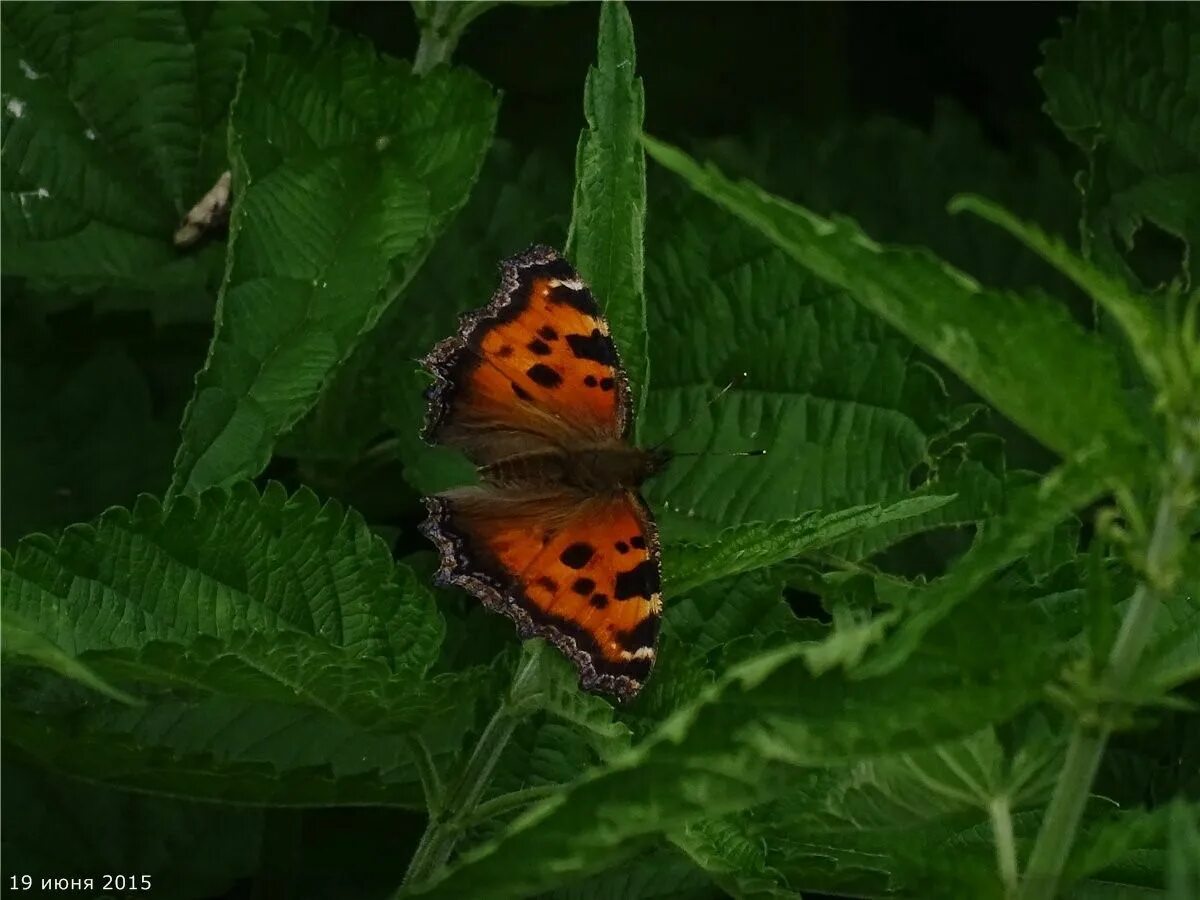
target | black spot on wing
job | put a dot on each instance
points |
(638, 541)
(540, 373)
(548, 583)
(599, 601)
(539, 347)
(590, 380)
(548, 333)
(505, 351)
(583, 586)
(581, 300)
(606, 384)
(577, 555)
(640, 581)
(642, 634)
(622, 547)
(520, 391)
(595, 346)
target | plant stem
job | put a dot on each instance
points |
(447, 822)
(438, 38)
(1059, 827)
(1006, 848)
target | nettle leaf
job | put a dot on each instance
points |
(558, 694)
(805, 397)
(70, 829)
(20, 640)
(737, 744)
(113, 124)
(608, 222)
(1121, 83)
(1005, 345)
(745, 548)
(230, 748)
(380, 390)
(1124, 847)
(887, 823)
(1135, 314)
(226, 563)
(258, 597)
(345, 167)
(750, 605)
(659, 874)
(1033, 513)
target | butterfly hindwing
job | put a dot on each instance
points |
(534, 367)
(585, 575)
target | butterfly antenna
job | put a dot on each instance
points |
(733, 382)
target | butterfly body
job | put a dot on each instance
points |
(596, 470)
(556, 536)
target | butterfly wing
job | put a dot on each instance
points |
(581, 572)
(533, 370)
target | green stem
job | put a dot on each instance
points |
(1071, 791)
(446, 823)
(498, 806)
(1006, 848)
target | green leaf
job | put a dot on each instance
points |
(19, 640)
(1135, 314)
(380, 391)
(227, 563)
(558, 694)
(70, 829)
(1032, 514)
(113, 129)
(346, 167)
(660, 874)
(608, 220)
(1121, 83)
(1183, 851)
(1006, 346)
(745, 548)
(737, 744)
(806, 398)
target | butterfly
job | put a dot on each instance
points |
(556, 536)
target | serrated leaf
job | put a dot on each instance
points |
(558, 694)
(1121, 83)
(1031, 515)
(745, 548)
(345, 169)
(227, 563)
(606, 238)
(661, 874)
(806, 398)
(1006, 346)
(380, 390)
(232, 749)
(733, 747)
(111, 119)
(1135, 314)
(19, 640)
(187, 850)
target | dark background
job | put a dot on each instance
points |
(712, 69)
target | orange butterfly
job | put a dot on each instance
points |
(556, 537)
